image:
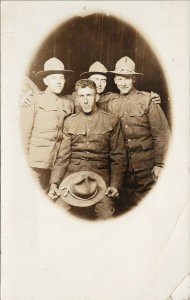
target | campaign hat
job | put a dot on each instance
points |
(53, 66)
(82, 189)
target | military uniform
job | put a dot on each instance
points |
(146, 134)
(42, 125)
(95, 143)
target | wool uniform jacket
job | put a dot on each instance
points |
(42, 124)
(144, 127)
(92, 142)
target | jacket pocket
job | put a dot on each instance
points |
(75, 161)
(148, 144)
(47, 108)
(102, 165)
(76, 131)
(40, 142)
(136, 113)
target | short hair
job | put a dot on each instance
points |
(82, 83)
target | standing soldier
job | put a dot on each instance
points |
(42, 121)
(145, 130)
(99, 74)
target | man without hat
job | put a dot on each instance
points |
(42, 121)
(92, 141)
(145, 130)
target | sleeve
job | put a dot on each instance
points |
(63, 158)
(27, 122)
(160, 132)
(118, 156)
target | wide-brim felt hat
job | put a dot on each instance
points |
(125, 66)
(82, 189)
(96, 68)
(53, 66)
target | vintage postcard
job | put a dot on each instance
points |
(95, 107)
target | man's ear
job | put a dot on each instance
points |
(97, 97)
(134, 78)
(115, 80)
(45, 80)
(77, 99)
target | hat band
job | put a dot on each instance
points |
(77, 197)
(124, 70)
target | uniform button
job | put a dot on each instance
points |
(89, 118)
(125, 113)
(129, 140)
(126, 126)
(87, 152)
(88, 129)
(88, 143)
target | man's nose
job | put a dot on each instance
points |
(99, 84)
(124, 82)
(85, 100)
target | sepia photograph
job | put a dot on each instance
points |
(95, 165)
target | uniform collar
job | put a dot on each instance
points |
(49, 94)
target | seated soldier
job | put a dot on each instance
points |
(92, 141)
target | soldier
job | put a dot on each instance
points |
(92, 141)
(99, 74)
(43, 120)
(145, 130)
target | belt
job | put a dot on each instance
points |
(88, 159)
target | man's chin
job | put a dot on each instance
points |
(87, 111)
(126, 91)
(99, 91)
(57, 91)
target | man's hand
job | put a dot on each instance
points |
(112, 192)
(155, 98)
(53, 192)
(156, 172)
(26, 99)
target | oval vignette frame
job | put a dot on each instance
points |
(103, 38)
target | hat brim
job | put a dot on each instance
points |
(70, 199)
(124, 73)
(88, 74)
(42, 74)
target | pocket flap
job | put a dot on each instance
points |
(75, 161)
(136, 113)
(102, 165)
(102, 130)
(76, 131)
(147, 144)
(50, 107)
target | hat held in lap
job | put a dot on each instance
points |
(82, 189)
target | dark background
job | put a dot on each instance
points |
(81, 41)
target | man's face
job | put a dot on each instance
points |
(124, 83)
(87, 99)
(100, 81)
(55, 82)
